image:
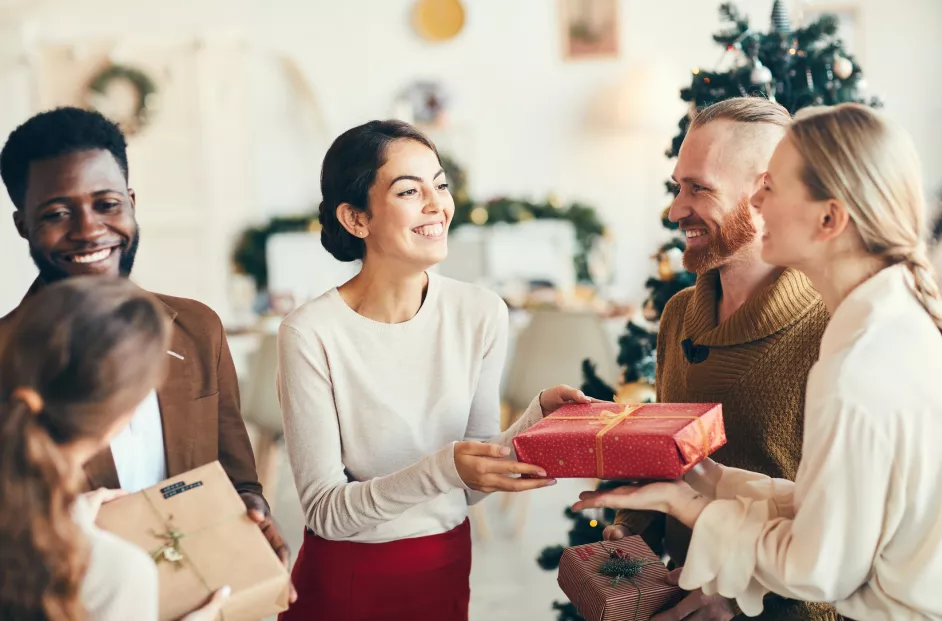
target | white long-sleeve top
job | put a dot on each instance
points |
(120, 582)
(372, 410)
(861, 526)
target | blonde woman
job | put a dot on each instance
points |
(861, 526)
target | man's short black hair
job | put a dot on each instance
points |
(52, 134)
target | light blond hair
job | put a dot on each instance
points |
(855, 155)
(742, 110)
(756, 126)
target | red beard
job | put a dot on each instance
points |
(737, 232)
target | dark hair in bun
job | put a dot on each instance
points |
(349, 172)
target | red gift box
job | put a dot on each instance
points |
(621, 580)
(614, 441)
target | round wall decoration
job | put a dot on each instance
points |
(125, 95)
(438, 20)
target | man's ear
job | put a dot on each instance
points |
(133, 198)
(757, 183)
(20, 223)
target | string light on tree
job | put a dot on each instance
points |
(479, 215)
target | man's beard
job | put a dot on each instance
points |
(736, 233)
(50, 272)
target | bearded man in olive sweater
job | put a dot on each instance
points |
(745, 335)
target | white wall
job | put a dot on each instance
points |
(520, 113)
(16, 267)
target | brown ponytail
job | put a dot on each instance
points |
(37, 491)
(79, 357)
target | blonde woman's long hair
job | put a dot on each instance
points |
(855, 155)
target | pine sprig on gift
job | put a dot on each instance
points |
(623, 568)
(619, 567)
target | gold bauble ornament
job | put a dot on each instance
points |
(664, 269)
(635, 392)
(479, 215)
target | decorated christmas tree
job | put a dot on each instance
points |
(795, 67)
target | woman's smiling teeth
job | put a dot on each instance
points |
(430, 230)
(91, 257)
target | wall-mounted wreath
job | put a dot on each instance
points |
(125, 95)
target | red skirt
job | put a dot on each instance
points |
(419, 579)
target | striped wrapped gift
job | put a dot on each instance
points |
(616, 580)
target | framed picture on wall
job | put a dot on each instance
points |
(849, 28)
(589, 29)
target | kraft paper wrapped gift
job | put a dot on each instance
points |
(616, 580)
(195, 527)
(627, 442)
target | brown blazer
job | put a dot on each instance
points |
(199, 402)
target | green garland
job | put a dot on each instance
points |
(250, 252)
(584, 219)
(142, 83)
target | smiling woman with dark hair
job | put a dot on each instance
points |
(388, 386)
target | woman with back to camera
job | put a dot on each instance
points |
(73, 368)
(388, 384)
(860, 526)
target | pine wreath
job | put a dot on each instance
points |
(142, 84)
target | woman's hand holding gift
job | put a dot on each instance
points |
(483, 468)
(675, 498)
(556, 397)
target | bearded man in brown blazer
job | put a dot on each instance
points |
(67, 173)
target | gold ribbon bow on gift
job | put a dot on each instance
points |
(609, 420)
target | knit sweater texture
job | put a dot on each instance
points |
(756, 365)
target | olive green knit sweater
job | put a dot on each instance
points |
(756, 365)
